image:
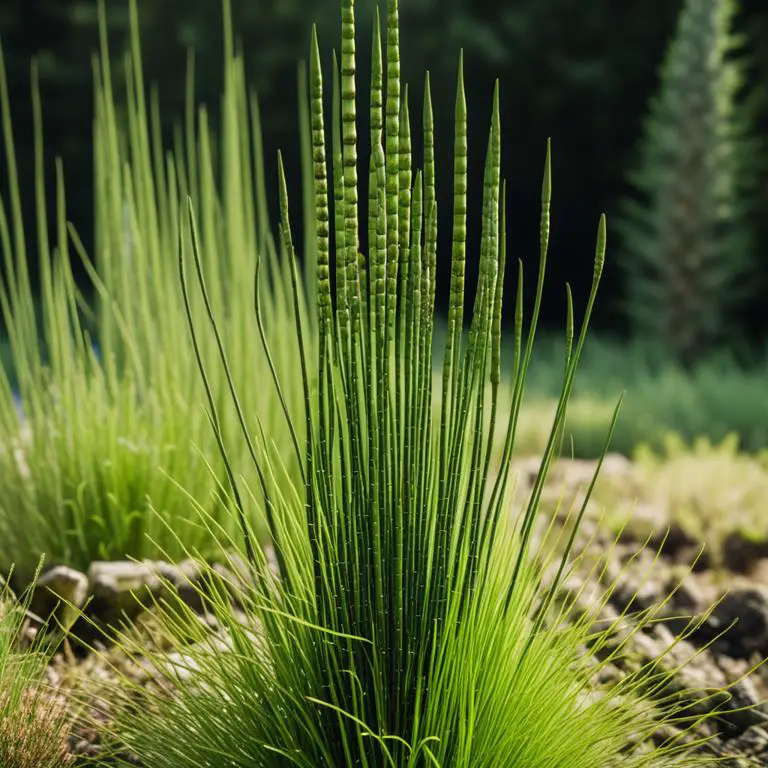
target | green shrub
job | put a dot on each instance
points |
(409, 625)
(112, 442)
(712, 402)
(713, 398)
(688, 245)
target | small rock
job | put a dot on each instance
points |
(122, 589)
(687, 596)
(694, 556)
(747, 609)
(526, 470)
(188, 582)
(740, 551)
(634, 578)
(58, 595)
(618, 465)
(759, 572)
(232, 582)
(634, 595)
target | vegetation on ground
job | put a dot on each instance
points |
(703, 493)
(713, 491)
(410, 624)
(104, 434)
(717, 396)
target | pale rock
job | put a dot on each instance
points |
(59, 594)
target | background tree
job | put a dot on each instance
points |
(688, 242)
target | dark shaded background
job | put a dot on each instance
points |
(579, 72)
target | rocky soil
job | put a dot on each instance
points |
(654, 562)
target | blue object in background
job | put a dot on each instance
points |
(17, 403)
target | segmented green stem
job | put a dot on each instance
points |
(458, 259)
(404, 218)
(339, 209)
(491, 321)
(322, 236)
(400, 318)
(349, 155)
(322, 215)
(377, 124)
(392, 160)
(430, 207)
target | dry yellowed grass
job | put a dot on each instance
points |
(34, 730)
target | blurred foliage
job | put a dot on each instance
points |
(270, 51)
(570, 71)
(61, 36)
(581, 73)
(688, 246)
(714, 398)
(691, 492)
(711, 488)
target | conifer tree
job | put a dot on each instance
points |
(687, 239)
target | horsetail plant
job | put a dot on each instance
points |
(410, 624)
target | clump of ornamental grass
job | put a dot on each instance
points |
(410, 624)
(34, 721)
(110, 438)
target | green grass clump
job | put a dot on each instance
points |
(410, 624)
(111, 444)
(34, 723)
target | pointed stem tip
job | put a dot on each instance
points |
(600, 248)
(546, 187)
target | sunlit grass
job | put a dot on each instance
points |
(113, 436)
